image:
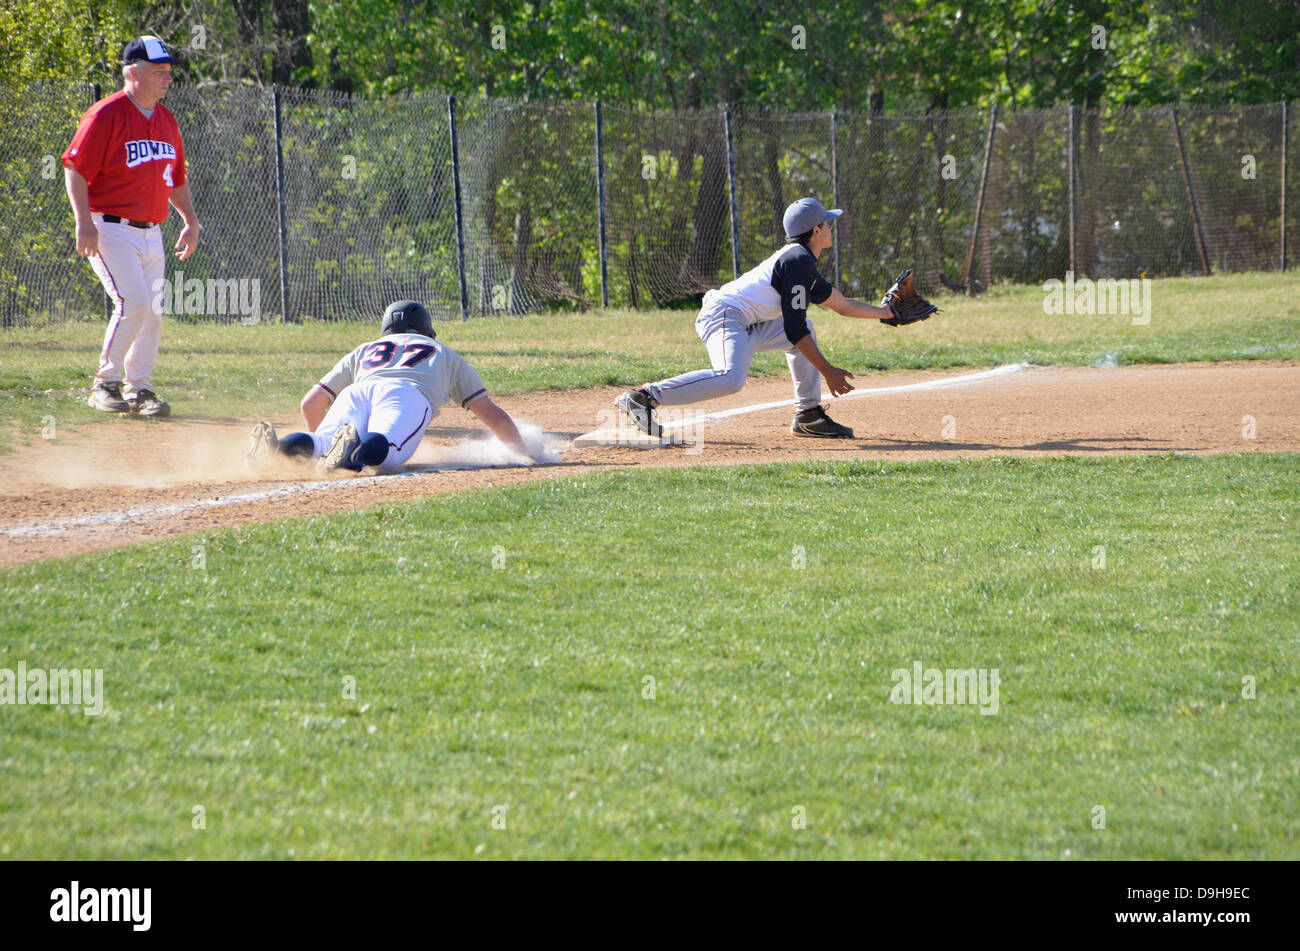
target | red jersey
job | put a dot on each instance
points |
(130, 163)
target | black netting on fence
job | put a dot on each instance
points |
(230, 160)
(368, 187)
(908, 188)
(528, 179)
(1235, 158)
(667, 204)
(1133, 209)
(41, 276)
(370, 200)
(779, 159)
(1024, 229)
(1292, 185)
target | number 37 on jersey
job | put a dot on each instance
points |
(387, 353)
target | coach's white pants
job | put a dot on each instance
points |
(732, 344)
(130, 266)
(395, 408)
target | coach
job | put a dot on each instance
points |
(124, 164)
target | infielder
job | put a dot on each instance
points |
(373, 407)
(125, 163)
(766, 309)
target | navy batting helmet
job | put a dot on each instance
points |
(407, 317)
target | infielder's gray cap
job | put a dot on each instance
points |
(806, 214)
(148, 48)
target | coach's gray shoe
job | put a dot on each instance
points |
(107, 398)
(146, 403)
(346, 442)
(815, 422)
(263, 446)
(637, 406)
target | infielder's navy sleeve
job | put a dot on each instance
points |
(796, 279)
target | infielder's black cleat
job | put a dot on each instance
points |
(640, 409)
(146, 403)
(815, 422)
(107, 398)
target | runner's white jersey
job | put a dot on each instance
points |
(440, 373)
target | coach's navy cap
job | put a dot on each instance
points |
(148, 48)
(806, 214)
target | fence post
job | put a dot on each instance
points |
(283, 211)
(460, 217)
(95, 95)
(979, 199)
(1071, 158)
(835, 184)
(600, 204)
(1285, 139)
(731, 185)
(1191, 195)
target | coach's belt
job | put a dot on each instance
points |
(118, 219)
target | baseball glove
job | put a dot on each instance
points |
(905, 303)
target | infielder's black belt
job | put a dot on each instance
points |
(118, 219)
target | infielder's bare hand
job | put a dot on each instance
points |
(838, 381)
(87, 238)
(187, 242)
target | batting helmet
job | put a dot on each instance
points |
(407, 317)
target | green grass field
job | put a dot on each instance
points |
(519, 692)
(500, 640)
(250, 371)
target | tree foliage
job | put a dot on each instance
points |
(696, 53)
(527, 74)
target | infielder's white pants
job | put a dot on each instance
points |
(394, 408)
(732, 343)
(130, 266)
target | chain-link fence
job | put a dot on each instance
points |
(230, 162)
(368, 205)
(334, 206)
(528, 187)
(40, 278)
(667, 206)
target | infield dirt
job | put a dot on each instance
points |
(130, 480)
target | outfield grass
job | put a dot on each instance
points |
(248, 371)
(524, 686)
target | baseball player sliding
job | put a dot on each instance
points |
(373, 407)
(125, 163)
(766, 309)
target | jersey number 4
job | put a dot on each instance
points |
(167, 175)
(385, 353)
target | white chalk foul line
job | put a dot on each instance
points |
(877, 391)
(62, 526)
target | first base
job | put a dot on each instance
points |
(627, 436)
